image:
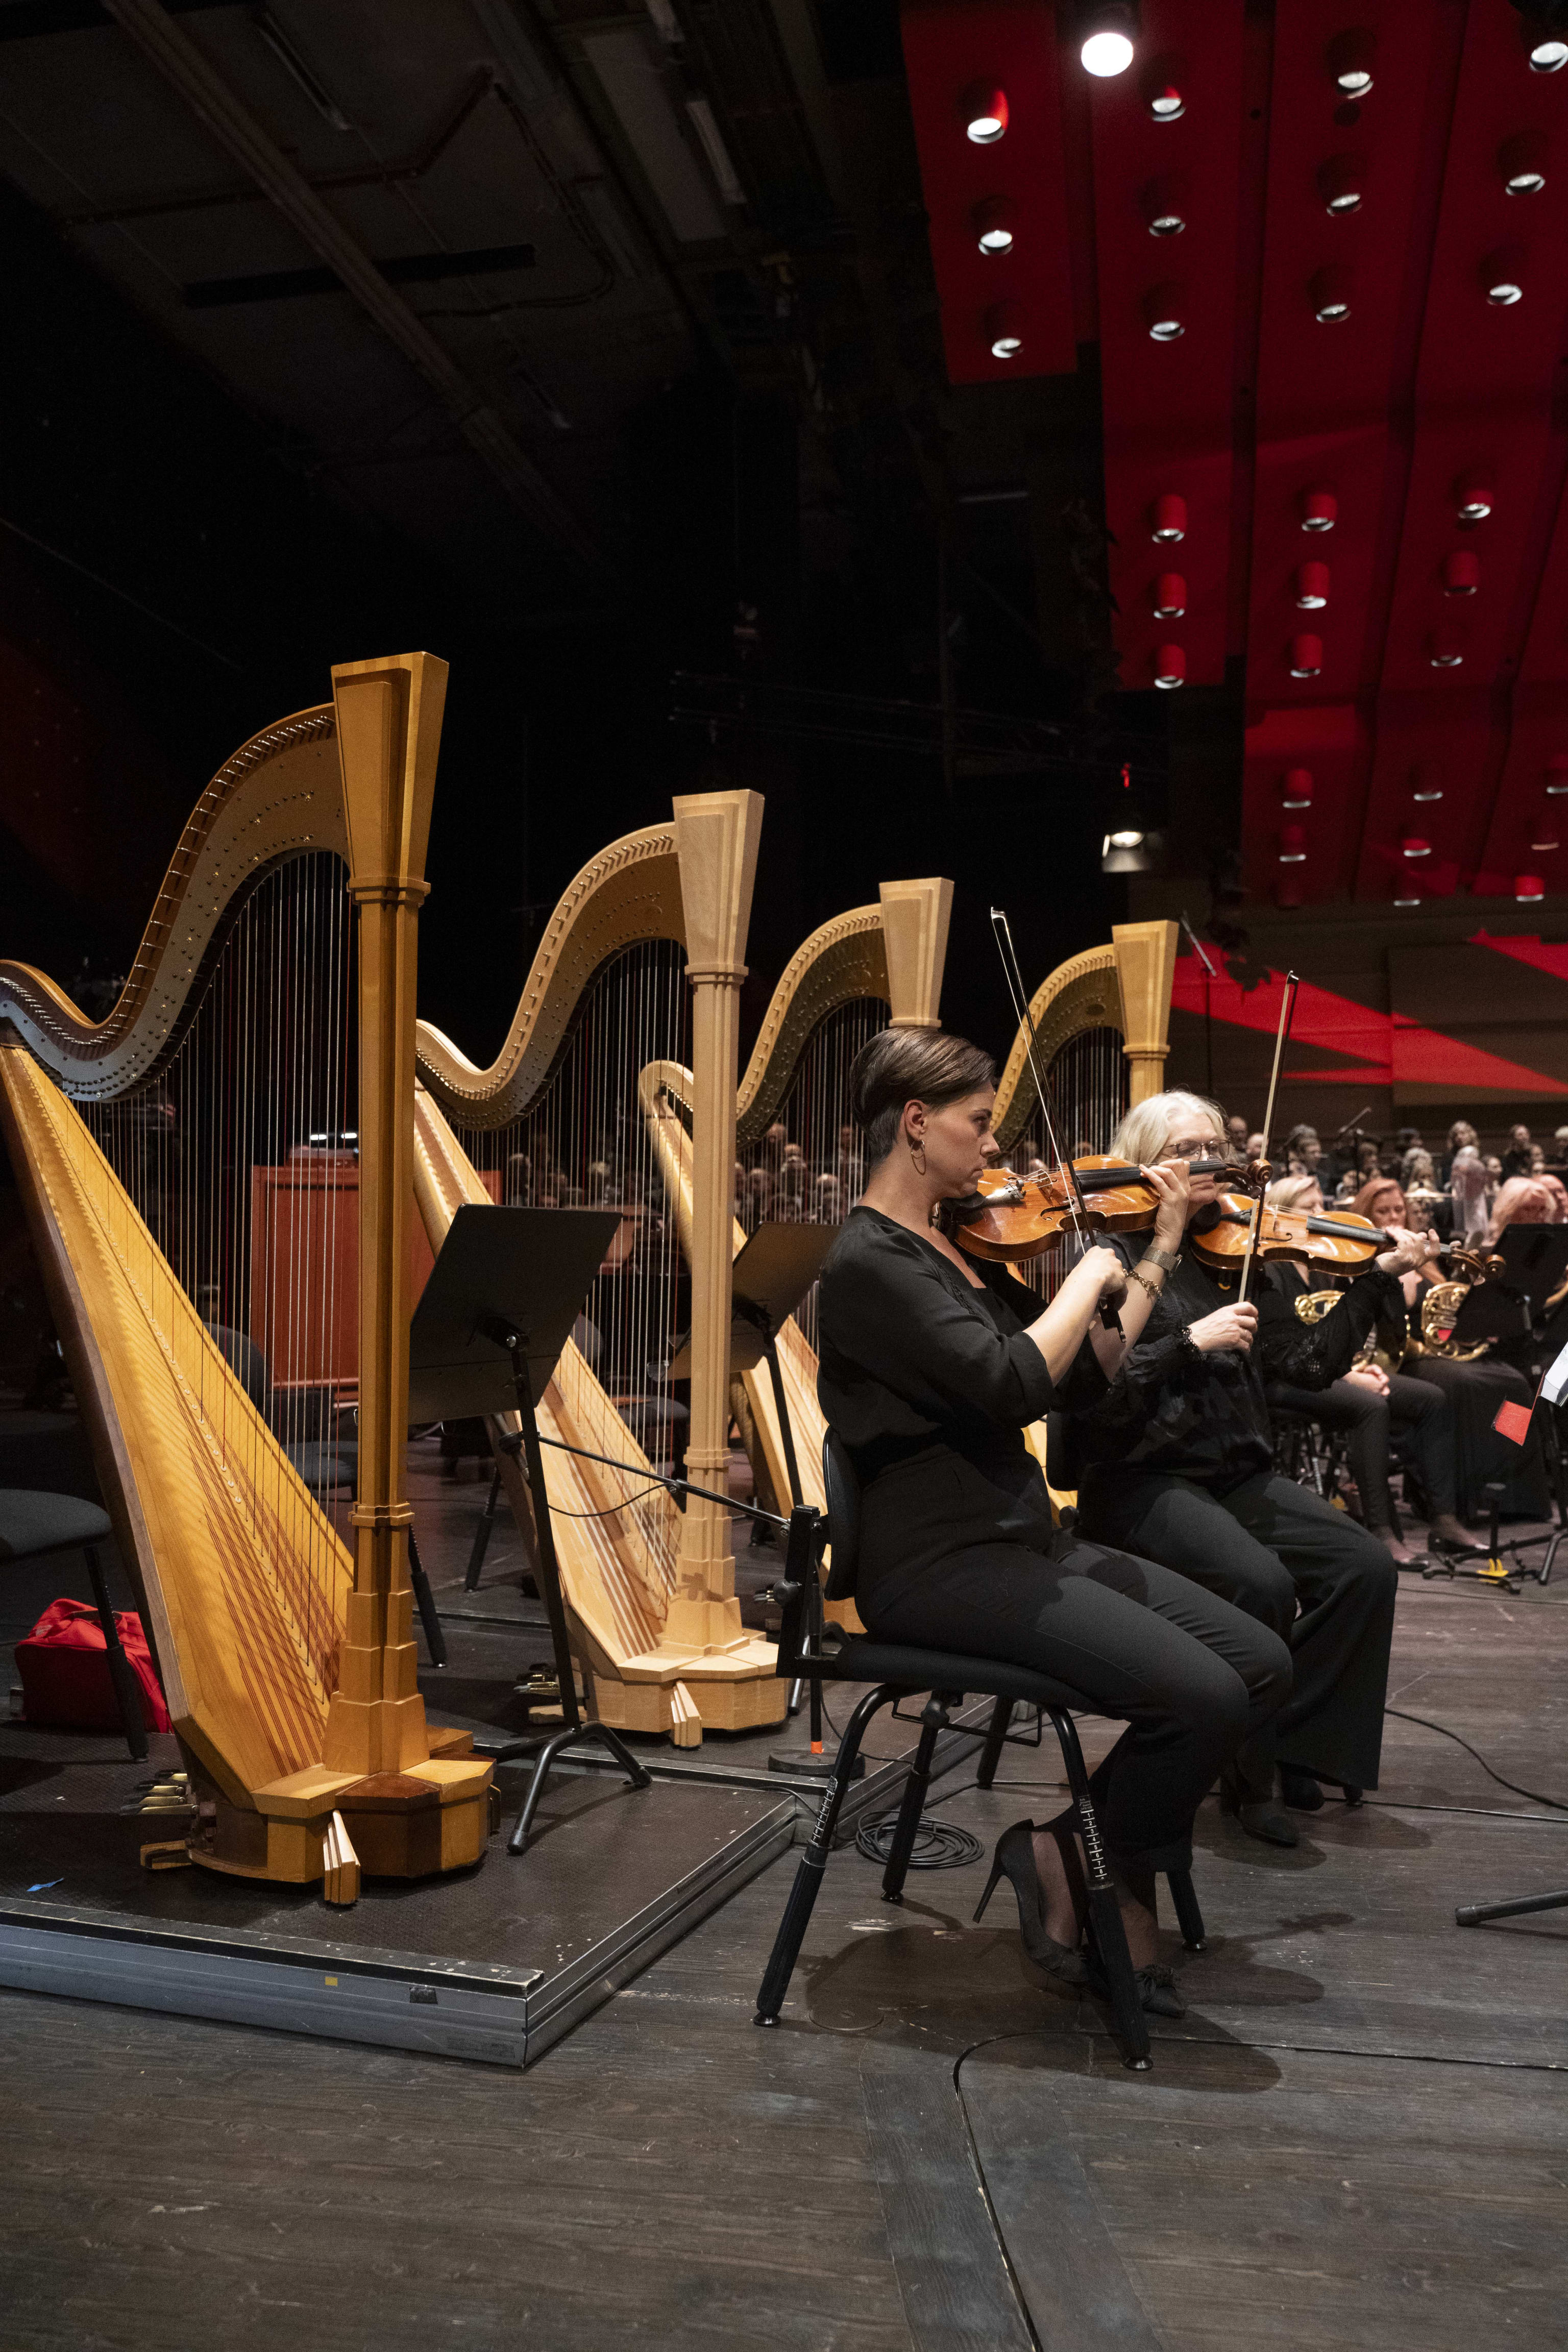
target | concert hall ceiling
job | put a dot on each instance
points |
(1319, 249)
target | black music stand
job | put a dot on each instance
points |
(769, 1280)
(499, 1307)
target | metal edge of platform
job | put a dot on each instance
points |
(490, 2013)
(486, 2012)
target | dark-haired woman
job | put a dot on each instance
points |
(931, 1368)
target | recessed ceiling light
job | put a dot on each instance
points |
(1168, 520)
(1163, 310)
(1350, 58)
(1320, 509)
(994, 226)
(1306, 656)
(1311, 586)
(1502, 276)
(1523, 163)
(985, 113)
(1341, 183)
(1296, 788)
(1331, 295)
(1473, 497)
(1170, 667)
(1001, 330)
(1528, 887)
(1170, 596)
(1461, 572)
(1105, 38)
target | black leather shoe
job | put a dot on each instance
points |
(1157, 1994)
(1260, 1817)
(1299, 1791)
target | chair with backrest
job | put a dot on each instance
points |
(895, 1672)
(32, 1525)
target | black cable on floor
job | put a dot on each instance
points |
(1558, 1804)
(938, 1846)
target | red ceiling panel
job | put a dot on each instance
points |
(1168, 405)
(950, 46)
(1324, 388)
(1326, 743)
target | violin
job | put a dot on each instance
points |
(1345, 1244)
(1018, 1217)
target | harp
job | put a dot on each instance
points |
(797, 1155)
(641, 959)
(217, 1180)
(1101, 1023)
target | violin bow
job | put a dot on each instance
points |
(1076, 1212)
(1286, 1015)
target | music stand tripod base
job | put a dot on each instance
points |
(500, 1305)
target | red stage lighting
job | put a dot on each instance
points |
(1502, 277)
(1296, 788)
(994, 226)
(1162, 86)
(1162, 309)
(1170, 596)
(1330, 289)
(1164, 207)
(1350, 57)
(1473, 497)
(1413, 846)
(1320, 509)
(1001, 330)
(985, 110)
(1311, 586)
(1168, 517)
(1341, 183)
(1170, 667)
(1306, 656)
(1461, 572)
(1527, 887)
(1523, 163)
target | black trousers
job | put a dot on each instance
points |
(1368, 1420)
(1300, 1566)
(1193, 1676)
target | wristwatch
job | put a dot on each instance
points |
(1167, 1260)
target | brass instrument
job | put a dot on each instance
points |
(1311, 1306)
(1440, 1307)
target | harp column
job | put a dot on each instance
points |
(716, 838)
(389, 733)
(915, 917)
(1145, 968)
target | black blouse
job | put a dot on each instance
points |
(931, 1383)
(1205, 1417)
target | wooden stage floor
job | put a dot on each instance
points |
(1355, 2141)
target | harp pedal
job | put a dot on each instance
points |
(168, 1854)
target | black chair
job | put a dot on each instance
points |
(32, 1525)
(898, 1673)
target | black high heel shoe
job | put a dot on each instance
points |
(1260, 1817)
(1015, 1855)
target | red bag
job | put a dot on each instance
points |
(64, 1666)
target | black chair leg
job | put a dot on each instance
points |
(1104, 1914)
(995, 1737)
(814, 1862)
(121, 1673)
(482, 1536)
(1189, 1919)
(425, 1601)
(933, 1719)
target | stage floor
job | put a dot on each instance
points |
(1353, 2142)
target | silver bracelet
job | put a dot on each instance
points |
(1167, 1260)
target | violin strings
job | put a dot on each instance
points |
(1004, 933)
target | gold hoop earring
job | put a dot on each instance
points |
(918, 1154)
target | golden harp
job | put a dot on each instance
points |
(216, 1178)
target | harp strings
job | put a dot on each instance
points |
(240, 1157)
(808, 1168)
(1088, 1078)
(582, 1143)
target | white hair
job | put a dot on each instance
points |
(1140, 1137)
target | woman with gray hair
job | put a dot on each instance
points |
(1176, 1463)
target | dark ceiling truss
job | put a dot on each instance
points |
(398, 269)
(482, 84)
(222, 114)
(980, 743)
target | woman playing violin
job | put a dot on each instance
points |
(1175, 1463)
(931, 1368)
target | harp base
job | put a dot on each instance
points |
(412, 1824)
